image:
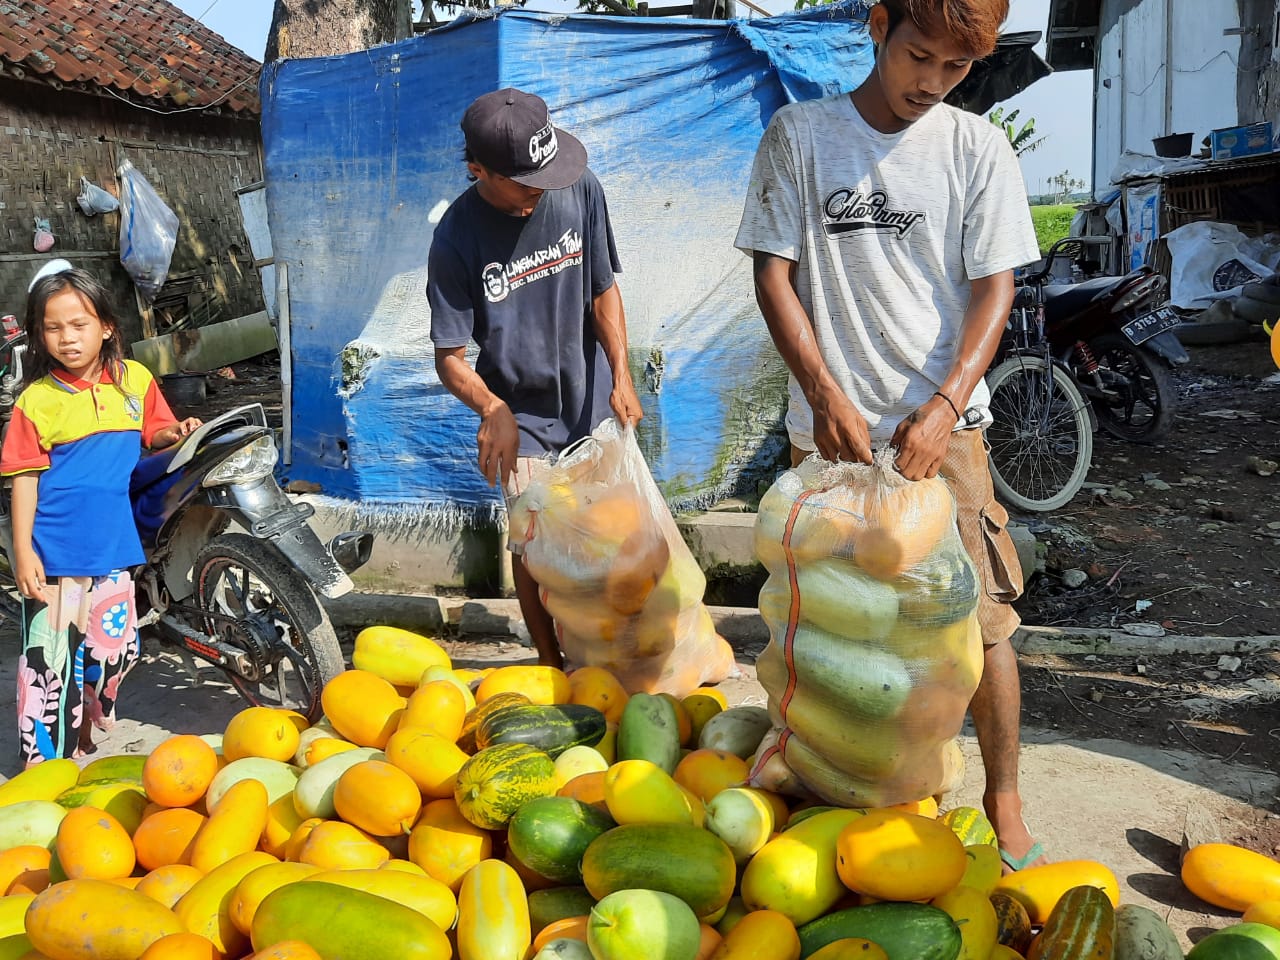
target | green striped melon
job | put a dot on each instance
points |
(498, 780)
(556, 903)
(1081, 924)
(971, 825)
(676, 858)
(1239, 941)
(120, 767)
(549, 835)
(552, 728)
(905, 931)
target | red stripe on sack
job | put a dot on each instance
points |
(793, 614)
(760, 764)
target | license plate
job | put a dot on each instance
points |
(1143, 328)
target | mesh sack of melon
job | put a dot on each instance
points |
(614, 572)
(874, 648)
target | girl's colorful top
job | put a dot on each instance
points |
(85, 439)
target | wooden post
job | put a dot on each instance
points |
(284, 338)
(146, 314)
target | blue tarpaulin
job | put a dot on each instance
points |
(363, 154)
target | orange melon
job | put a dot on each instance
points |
(178, 771)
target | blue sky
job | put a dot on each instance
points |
(1061, 103)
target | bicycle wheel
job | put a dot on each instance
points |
(1042, 437)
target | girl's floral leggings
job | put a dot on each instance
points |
(77, 646)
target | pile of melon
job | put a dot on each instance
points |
(522, 813)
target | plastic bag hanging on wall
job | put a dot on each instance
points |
(148, 232)
(42, 242)
(94, 200)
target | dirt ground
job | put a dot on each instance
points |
(1185, 534)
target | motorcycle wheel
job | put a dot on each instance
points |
(1042, 437)
(1143, 406)
(249, 581)
(10, 599)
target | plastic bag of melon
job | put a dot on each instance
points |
(615, 574)
(874, 648)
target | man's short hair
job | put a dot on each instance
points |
(973, 24)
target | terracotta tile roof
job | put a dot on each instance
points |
(137, 48)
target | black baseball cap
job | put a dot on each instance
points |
(510, 132)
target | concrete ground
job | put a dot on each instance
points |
(1101, 799)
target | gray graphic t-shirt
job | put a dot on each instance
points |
(887, 231)
(522, 289)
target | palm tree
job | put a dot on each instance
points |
(1019, 138)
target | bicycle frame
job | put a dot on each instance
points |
(1029, 338)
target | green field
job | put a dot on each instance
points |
(1052, 223)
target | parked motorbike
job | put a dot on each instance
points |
(1076, 357)
(1117, 336)
(246, 601)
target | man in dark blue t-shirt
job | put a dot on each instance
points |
(523, 263)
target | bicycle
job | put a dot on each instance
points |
(1041, 440)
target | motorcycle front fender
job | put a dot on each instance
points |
(303, 549)
(267, 513)
(1168, 348)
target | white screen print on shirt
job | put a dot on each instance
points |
(500, 279)
(887, 231)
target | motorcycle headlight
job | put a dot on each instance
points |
(251, 462)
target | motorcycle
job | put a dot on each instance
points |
(1116, 335)
(1075, 358)
(245, 601)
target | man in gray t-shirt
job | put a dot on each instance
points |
(885, 226)
(523, 264)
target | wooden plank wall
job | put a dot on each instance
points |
(50, 138)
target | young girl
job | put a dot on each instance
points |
(77, 432)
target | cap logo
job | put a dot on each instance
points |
(543, 146)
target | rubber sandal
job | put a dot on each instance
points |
(1021, 863)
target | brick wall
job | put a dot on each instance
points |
(50, 138)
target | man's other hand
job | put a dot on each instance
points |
(839, 430)
(922, 439)
(499, 441)
(626, 403)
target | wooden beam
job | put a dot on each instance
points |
(179, 148)
(65, 254)
(147, 314)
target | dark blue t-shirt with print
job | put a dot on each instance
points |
(522, 289)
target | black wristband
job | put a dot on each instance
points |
(939, 393)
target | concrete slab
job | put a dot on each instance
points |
(476, 561)
(743, 626)
(420, 563)
(1117, 643)
(723, 543)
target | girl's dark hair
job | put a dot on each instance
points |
(38, 363)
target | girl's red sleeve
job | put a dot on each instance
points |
(156, 414)
(22, 451)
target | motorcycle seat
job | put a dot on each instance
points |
(1062, 300)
